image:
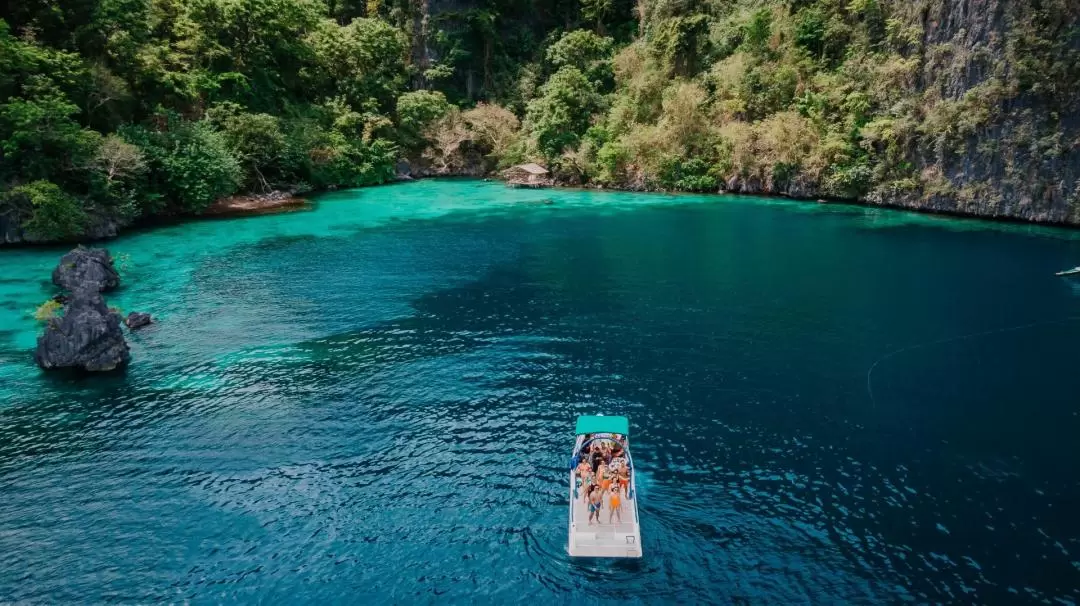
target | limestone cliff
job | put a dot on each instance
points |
(1001, 77)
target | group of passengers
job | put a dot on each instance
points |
(604, 473)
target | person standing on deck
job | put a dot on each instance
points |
(585, 476)
(623, 477)
(603, 477)
(596, 500)
(616, 505)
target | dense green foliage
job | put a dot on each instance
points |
(111, 110)
(53, 213)
(115, 109)
(843, 98)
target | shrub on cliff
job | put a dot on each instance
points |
(191, 162)
(355, 163)
(463, 141)
(53, 214)
(118, 174)
(255, 140)
(362, 62)
(588, 52)
(40, 133)
(416, 111)
(561, 114)
(48, 310)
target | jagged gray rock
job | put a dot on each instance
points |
(86, 269)
(86, 337)
(136, 320)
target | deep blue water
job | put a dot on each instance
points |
(373, 402)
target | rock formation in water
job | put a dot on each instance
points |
(136, 320)
(87, 335)
(86, 269)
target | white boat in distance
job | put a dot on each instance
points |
(614, 533)
(1069, 272)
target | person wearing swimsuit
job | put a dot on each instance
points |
(584, 469)
(596, 500)
(616, 505)
(603, 477)
(624, 480)
(585, 475)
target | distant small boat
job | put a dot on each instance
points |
(1069, 272)
(608, 537)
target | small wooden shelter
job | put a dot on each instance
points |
(527, 175)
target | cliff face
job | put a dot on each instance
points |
(444, 31)
(1006, 73)
(976, 112)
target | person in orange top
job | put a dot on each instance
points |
(616, 505)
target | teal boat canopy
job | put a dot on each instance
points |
(601, 424)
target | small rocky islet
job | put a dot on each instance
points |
(87, 335)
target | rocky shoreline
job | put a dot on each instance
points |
(280, 201)
(101, 226)
(256, 204)
(933, 206)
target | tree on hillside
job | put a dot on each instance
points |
(562, 112)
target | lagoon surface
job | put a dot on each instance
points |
(373, 401)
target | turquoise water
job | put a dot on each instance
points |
(372, 400)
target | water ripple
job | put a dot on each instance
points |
(350, 408)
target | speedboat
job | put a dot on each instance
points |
(609, 528)
(1069, 272)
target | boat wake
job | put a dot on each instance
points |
(985, 333)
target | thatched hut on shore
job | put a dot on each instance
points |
(527, 175)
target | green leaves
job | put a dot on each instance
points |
(589, 53)
(363, 62)
(416, 110)
(54, 215)
(38, 136)
(255, 140)
(682, 43)
(561, 114)
(758, 30)
(687, 174)
(810, 31)
(191, 163)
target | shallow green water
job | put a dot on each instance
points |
(373, 398)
